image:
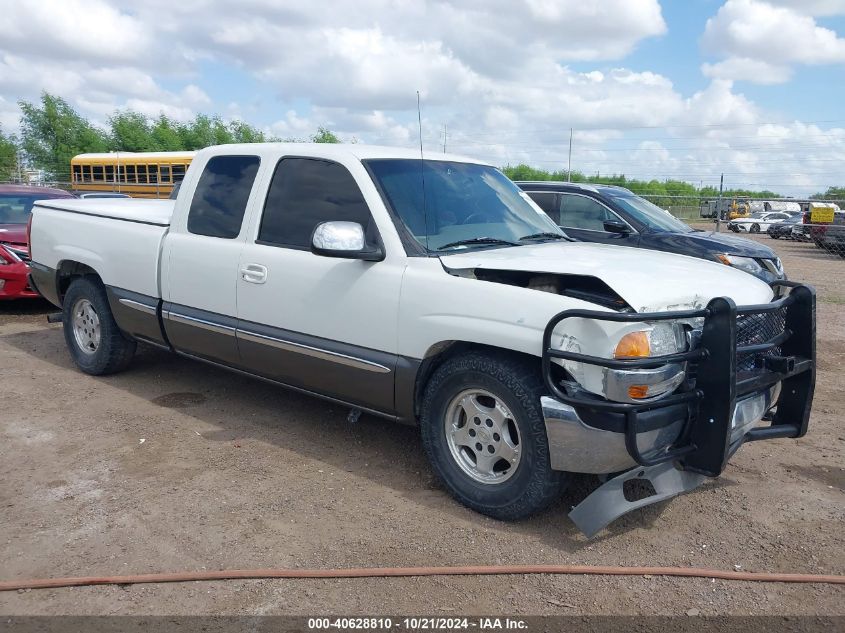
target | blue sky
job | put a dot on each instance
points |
(652, 88)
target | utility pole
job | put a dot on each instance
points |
(444, 138)
(719, 207)
(569, 168)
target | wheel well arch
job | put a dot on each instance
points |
(440, 352)
(67, 271)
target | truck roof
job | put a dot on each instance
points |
(336, 150)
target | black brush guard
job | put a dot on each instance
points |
(704, 446)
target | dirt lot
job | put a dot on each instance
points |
(174, 465)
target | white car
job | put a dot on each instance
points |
(757, 222)
(430, 290)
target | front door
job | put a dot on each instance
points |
(583, 218)
(322, 324)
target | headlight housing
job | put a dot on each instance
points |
(748, 264)
(645, 340)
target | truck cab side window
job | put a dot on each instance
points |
(305, 192)
(219, 202)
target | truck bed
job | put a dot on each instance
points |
(120, 239)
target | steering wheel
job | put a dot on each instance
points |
(473, 216)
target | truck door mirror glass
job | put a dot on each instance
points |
(343, 239)
(616, 226)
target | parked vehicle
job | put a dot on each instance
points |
(430, 290)
(614, 215)
(15, 205)
(833, 239)
(102, 194)
(757, 222)
(724, 208)
(139, 174)
(784, 228)
(816, 218)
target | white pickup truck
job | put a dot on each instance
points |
(430, 290)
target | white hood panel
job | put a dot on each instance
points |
(648, 280)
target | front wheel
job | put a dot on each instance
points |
(483, 432)
(755, 228)
(96, 343)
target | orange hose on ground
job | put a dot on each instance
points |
(393, 572)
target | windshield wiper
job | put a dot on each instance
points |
(544, 235)
(477, 240)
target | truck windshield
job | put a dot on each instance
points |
(462, 205)
(652, 216)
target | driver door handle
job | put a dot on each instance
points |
(254, 273)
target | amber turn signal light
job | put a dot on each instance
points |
(633, 345)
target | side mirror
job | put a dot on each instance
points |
(616, 226)
(345, 240)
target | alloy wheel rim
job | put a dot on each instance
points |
(483, 436)
(86, 326)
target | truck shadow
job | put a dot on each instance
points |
(389, 454)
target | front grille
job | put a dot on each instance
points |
(753, 329)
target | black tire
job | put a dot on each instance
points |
(114, 350)
(517, 384)
(774, 236)
(755, 228)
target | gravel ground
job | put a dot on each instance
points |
(174, 465)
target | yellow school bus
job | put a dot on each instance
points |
(137, 174)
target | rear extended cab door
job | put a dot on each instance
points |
(201, 253)
(323, 324)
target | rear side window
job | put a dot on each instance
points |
(219, 203)
(305, 192)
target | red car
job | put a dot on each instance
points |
(15, 205)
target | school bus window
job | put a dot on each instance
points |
(99, 173)
(131, 176)
(86, 173)
(178, 173)
(165, 173)
(77, 173)
(152, 172)
(109, 173)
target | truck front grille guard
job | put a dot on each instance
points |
(704, 445)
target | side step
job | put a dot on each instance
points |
(607, 502)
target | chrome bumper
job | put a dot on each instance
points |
(576, 447)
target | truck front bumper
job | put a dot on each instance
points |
(577, 447)
(750, 362)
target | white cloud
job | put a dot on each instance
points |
(745, 69)
(813, 7)
(776, 35)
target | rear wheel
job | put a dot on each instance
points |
(483, 432)
(96, 343)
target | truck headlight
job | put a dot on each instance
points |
(646, 340)
(748, 264)
(636, 385)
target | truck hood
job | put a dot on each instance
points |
(649, 281)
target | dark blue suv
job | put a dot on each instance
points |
(615, 215)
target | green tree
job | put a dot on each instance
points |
(131, 132)
(325, 135)
(165, 135)
(52, 133)
(8, 157)
(245, 133)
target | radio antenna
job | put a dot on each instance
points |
(422, 170)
